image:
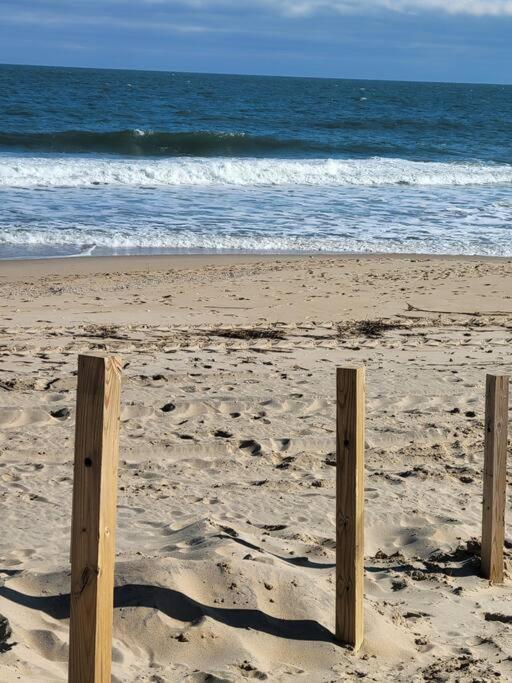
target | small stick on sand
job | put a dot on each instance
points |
(474, 314)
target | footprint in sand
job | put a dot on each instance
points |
(251, 445)
(19, 417)
(61, 413)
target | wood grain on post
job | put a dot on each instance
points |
(495, 476)
(350, 408)
(94, 519)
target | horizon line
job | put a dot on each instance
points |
(254, 75)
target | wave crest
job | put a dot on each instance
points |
(83, 172)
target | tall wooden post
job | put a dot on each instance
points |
(495, 476)
(94, 519)
(350, 505)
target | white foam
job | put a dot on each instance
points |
(26, 172)
(81, 242)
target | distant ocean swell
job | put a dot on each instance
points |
(26, 172)
(374, 141)
(150, 143)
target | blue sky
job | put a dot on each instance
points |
(446, 40)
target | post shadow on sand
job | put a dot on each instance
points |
(296, 561)
(179, 606)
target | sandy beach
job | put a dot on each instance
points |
(225, 540)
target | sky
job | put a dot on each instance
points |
(433, 40)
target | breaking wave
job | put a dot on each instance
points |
(25, 171)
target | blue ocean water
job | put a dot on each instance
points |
(109, 161)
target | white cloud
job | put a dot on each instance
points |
(242, 8)
(471, 7)
(299, 8)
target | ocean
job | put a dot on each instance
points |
(128, 162)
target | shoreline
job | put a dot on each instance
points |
(79, 265)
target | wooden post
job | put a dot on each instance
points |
(94, 519)
(350, 505)
(495, 476)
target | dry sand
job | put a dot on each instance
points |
(225, 546)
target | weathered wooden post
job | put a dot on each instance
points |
(350, 408)
(495, 476)
(94, 519)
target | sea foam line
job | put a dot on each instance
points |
(28, 171)
(81, 242)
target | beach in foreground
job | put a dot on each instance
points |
(225, 541)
